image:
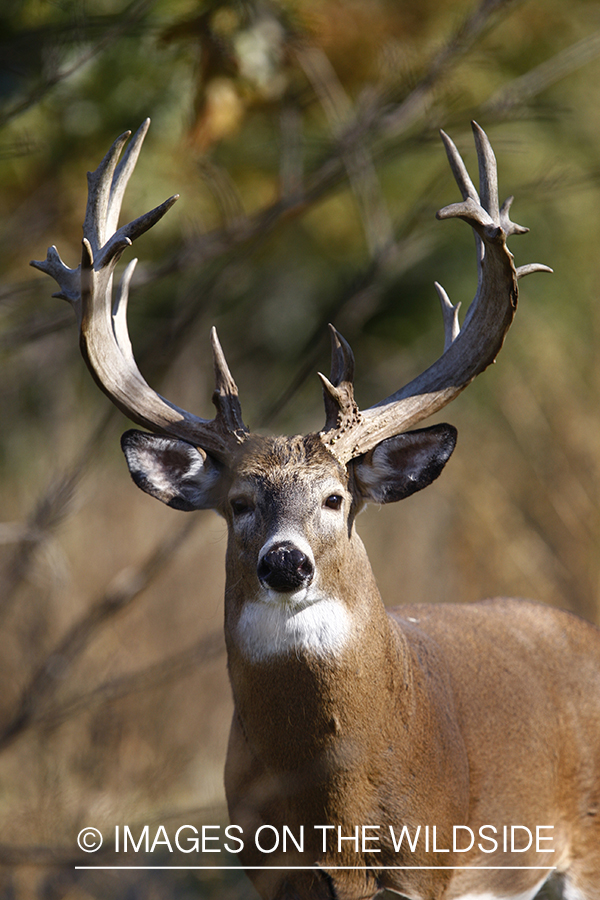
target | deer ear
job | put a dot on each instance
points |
(179, 474)
(402, 465)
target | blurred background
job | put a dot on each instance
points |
(303, 139)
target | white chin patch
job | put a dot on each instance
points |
(291, 623)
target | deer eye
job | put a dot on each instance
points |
(240, 506)
(334, 501)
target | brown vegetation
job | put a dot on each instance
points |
(303, 140)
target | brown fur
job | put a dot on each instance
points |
(422, 716)
(469, 717)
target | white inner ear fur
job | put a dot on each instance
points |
(401, 465)
(153, 461)
(377, 469)
(164, 461)
(171, 469)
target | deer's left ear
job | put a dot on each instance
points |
(402, 465)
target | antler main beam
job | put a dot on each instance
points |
(467, 352)
(104, 338)
(348, 432)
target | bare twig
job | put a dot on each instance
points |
(291, 157)
(51, 672)
(224, 191)
(350, 309)
(181, 664)
(49, 512)
(416, 104)
(125, 21)
(357, 157)
(532, 83)
(14, 855)
(375, 120)
(34, 329)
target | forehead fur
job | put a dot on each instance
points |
(271, 458)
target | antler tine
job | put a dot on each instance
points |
(342, 358)
(459, 170)
(449, 315)
(469, 351)
(488, 172)
(225, 396)
(123, 173)
(106, 188)
(341, 411)
(100, 183)
(104, 338)
(530, 268)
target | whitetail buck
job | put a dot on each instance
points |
(472, 726)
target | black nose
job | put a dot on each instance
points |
(285, 568)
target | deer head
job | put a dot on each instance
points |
(289, 503)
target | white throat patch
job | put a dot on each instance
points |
(280, 624)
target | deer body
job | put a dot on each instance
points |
(401, 749)
(365, 726)
(455, 753)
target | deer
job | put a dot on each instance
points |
(441, 751)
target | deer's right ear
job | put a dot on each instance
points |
(179, 474)
(401, 465)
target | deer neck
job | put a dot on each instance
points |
(318, 670)
(329, 723)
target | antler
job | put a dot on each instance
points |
(104, 339)
(349, 432)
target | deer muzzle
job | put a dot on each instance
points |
(284, 567)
